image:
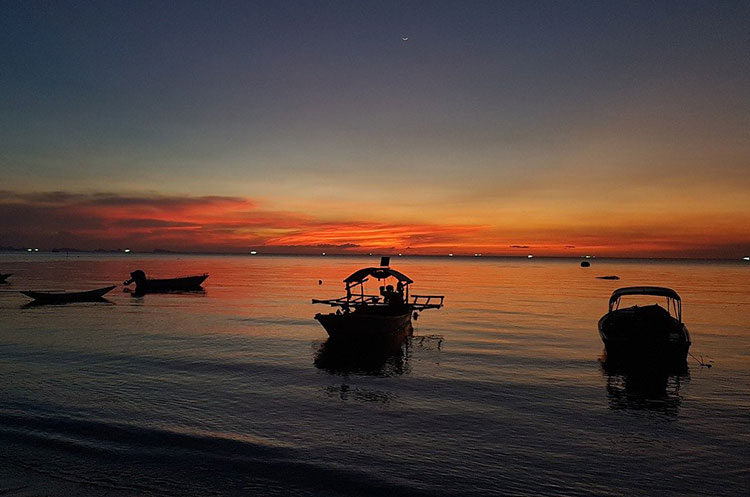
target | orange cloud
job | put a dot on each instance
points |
(236, 224)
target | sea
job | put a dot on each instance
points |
(235, 391)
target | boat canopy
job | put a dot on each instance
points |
(644, 290)
(674, 303)
(379, 273)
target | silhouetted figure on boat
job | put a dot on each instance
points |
(149, 285)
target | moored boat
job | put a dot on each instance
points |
(645, 335)
(5, 276)
(68, 297)
(362, 316)
(165, 285)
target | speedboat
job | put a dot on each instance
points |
(362, 316)
(150, 285)
(645, 334)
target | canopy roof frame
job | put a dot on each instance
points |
(673, 298)
(379, 273)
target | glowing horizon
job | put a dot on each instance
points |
(233, 224)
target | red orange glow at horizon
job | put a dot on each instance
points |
(232, 224)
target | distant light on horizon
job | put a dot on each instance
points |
(253, 252)
(36, 250)
(746, 258)
(530, 256)
(127, 251)
(450, 255)
(323, 253)
(29, 250)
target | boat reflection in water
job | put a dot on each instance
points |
(639, 388)
(381, 357)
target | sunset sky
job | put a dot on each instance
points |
(553, 128)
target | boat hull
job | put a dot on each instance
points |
(355, 326)
(186, 284)
(68, 297)
(628, 340)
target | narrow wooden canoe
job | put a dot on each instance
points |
(68, 297)
(165, 285)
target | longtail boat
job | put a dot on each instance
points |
(365, 316)
(59, 297)
(150, 285)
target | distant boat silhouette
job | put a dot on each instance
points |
(645, 335)
(68, 297)
(585, 263)
(4, 277)
(147, 285)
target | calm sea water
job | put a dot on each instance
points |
(230, 392)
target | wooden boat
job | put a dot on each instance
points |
(5, 276)
(147, 285)
(362, 317)
(645, 335)
(68, 297)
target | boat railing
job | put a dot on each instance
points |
(354, 300)
(422, 302)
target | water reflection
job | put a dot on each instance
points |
(346, 392)
(387, 357)
(40, 303)
(135, 294)
(653, 389)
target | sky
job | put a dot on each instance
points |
(502, 128)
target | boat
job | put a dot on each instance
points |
(645, 335)
(149, 285)
(5, 276)
(61, 297)
(362, 316)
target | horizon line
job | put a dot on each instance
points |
(528, 256)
